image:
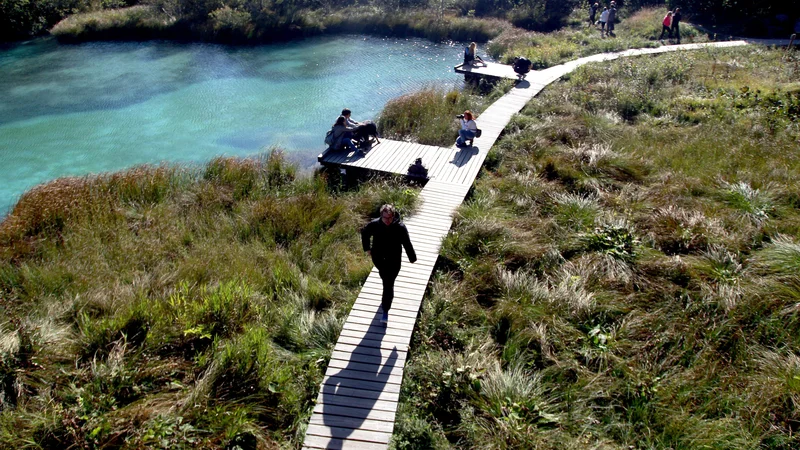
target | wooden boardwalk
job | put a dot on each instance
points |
(357, 401)
(493, 70)
(455, 165)
(358, 398)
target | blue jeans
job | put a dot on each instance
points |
(347, 143)
(464, 136)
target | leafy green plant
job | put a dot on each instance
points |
(614, 239)
(166, 432)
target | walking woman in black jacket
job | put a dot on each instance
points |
(383, 238)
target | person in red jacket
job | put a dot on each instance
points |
(383, 239)
(666, 25)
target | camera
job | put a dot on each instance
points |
(460, 116)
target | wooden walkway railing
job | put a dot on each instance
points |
(358, 398)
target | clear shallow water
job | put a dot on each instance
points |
(98, 107)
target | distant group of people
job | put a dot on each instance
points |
(608, 18)
(346, 132)
(671, 25)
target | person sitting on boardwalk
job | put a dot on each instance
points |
(416, 171)
(665, 26)
(383, 239)
(341, 133)
(364, 131)
(468, 129)
(471, 55)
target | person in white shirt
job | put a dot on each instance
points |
(603, 20)
(468, 129)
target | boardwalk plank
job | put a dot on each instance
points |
(354, 353)
(374, 298)
(388, 371)
(387, 164)
(332, 381)
(366, 332)
(353, 423)
(398, 310)
(350, 393)
(371, 318)
(387, 416)
(381, 354)
(367, 377)
(370, 305)
(402, 160)
(320, 442)
(397, 327)
(350, 434)
(390, 334)
(362, 343)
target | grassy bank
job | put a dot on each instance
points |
(237, 26)
(625, 274)
(172, 307)
(575, 39)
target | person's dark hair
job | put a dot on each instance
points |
(346, 112)
(340, 120)
(388, 208)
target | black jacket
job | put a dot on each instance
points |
(676, 19)
(387, 241)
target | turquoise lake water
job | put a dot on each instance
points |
(99, 107)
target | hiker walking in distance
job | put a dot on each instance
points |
(676, 24)
(383, 239)
(612, 17)
(593, 13)
(666, 26)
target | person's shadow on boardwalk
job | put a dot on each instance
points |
(522, 84)
(348, 396)
(463, 155)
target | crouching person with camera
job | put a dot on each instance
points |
(469, 129)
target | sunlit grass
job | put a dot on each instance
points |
(630, 255)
